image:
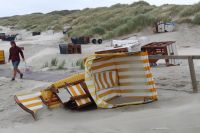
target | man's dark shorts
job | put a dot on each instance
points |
(15, 64)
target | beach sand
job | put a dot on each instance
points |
(176, 111)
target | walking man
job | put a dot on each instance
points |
(14, 56)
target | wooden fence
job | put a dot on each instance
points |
(190, 59)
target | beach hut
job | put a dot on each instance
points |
(109, 81)
(161, 27)
(2, 57)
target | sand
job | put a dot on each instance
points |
(176, 111)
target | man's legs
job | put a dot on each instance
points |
(14, 73)
(21, 74)
(16, 70)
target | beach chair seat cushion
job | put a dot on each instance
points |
(31, 103)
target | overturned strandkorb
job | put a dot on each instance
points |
(109, 81)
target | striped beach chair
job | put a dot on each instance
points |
(109, 81)
(120, 79)
(30, 102)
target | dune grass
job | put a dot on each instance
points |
(61, 65)
(107, 22)
(196, 19)
(190, 10)
(54, 62)
(80, 64)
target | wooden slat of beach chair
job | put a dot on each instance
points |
(77, 92)
(50, 99)
(31, 103)
(79, 97)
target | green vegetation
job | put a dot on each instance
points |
(54, 62)
(108, 22)
(62, 65)
(196, 19)
(80, 64)
(46, 64)
(190, 10)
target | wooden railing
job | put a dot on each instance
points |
(190, 59)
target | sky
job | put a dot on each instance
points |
(20, 7)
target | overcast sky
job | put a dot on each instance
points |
(19, 7)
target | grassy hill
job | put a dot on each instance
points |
(114, 21)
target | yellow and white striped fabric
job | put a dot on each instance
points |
(48, 96)
(135, 78)
(107, 79)
(31, 101)
(77, 90)
(71, 79)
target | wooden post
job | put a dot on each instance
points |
(193, 75)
